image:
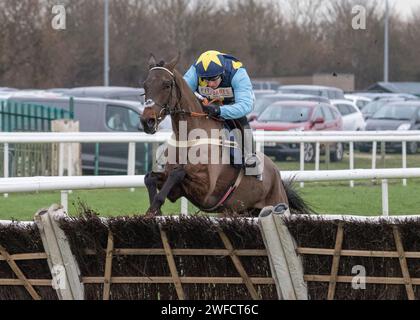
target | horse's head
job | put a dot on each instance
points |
(160, 93)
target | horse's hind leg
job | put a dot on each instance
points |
(174, 178)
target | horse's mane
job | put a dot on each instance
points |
(186, 91)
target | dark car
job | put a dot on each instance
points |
(395, 116)
(322, 91)
(370, 109)
(299, 116)
(264, 101)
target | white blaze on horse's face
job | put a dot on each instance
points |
(149, 103)
(158, 89)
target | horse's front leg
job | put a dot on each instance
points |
(174, 178)
(151, 181)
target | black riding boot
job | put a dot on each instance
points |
(251, 161)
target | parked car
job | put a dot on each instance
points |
(352, 117)
(265, 85)
(114, 93)
(359, 101)
(264, 101)
(102, 115)
(58, 90)
(7, 89)
(322, 91)
(385, 95)
(399, 116)
(375, 105)
(299, 116)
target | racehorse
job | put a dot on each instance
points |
(211, 187)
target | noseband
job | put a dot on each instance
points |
(166, 108)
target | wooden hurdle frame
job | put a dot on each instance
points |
(57, 252)
(337, 252)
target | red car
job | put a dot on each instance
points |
(299, 116)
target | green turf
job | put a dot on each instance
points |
(331, 197)
(22, 206)
(362, 160)
(325, 198)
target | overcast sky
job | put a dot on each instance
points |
(406, 7)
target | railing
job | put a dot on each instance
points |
(16, 116)
(349, 137)
(36, 184)
(28, 117)
(260, 137)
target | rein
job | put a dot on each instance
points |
(167, 110)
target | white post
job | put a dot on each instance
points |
(385, 206)
(317, 156)
(404, 159)
(351, 148)
(65, 200)
(61, 159)
(184, 206)
(286, 266)
(131, 166)
(63, 265)
(374, 147)
(302, 160)
(258, 147)
(69, 162)
(6, 164)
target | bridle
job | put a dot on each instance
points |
(166, 109)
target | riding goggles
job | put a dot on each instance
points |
(210, 79)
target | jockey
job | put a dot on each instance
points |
(222, 77)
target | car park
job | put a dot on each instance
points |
(102, 115)
(264, 101)
(401, 116)
(385, 95)
(322, 91)
(265, 85)
(352, 117)
(114, 93)
(375, 105)
(359, 101)
(299, 116)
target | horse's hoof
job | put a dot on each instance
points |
(151, 213)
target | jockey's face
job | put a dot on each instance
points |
(214, 82)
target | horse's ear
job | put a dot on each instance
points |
(171, 65)
(152, 61)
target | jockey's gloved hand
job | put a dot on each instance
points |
(212, 110)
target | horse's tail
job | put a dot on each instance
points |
(296, 203)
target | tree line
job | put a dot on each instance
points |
(272, 38)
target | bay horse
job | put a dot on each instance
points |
(211, 187)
